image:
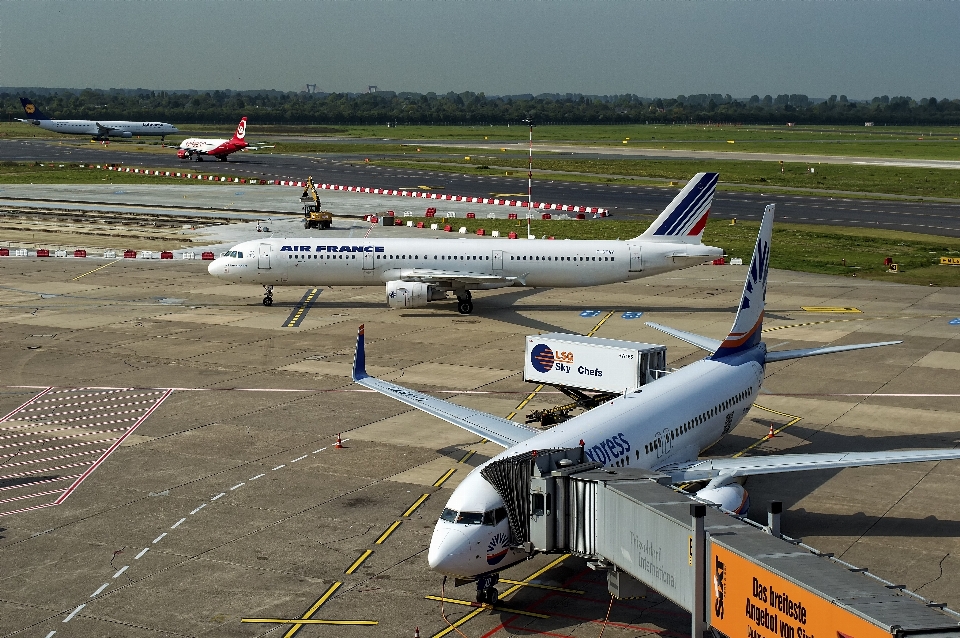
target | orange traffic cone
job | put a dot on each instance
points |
(339, 444)
(770, 434)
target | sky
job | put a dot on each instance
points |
(651, 48)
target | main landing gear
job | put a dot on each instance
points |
(486, 592)
(464, 302)
(268, 295)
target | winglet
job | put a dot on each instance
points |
(359, 358)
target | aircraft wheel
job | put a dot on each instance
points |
(465, 306)
(492, 595)
(268, 301)
(199, 158)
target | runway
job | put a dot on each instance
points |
(624, 201)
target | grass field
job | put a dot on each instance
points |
(54, 173)
(801, 247)
(884, 180)
(899, 142)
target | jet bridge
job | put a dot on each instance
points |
(734, 576)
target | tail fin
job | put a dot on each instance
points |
(685, 217)
(241, 130)
(746, 329)
(360, 357)
(33, 113)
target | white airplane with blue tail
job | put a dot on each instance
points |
(417, 271)
(663, 426)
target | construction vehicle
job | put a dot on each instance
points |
(313, 216)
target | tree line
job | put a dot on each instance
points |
(383, 107)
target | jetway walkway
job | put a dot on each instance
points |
(735, 577)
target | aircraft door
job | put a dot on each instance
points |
(367, 262)
(498, 260)
(263, 257)
(635, 265)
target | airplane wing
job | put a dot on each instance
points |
(430, 276)
(500, 431)
(705, 469)
(783, 355)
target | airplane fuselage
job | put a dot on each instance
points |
(668, 421)
(214, 147)
(534, 263)
(106, 128)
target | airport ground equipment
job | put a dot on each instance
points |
(591, 363)
(313, 216)
(734, 576)
(589, 370)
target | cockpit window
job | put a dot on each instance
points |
(463, 518)
(239, 255)
(470, 518)
(493, 517)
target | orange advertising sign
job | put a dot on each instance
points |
(748, 601)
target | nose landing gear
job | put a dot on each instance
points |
(268, 296)
(486, 592)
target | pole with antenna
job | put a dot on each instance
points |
(529, 121)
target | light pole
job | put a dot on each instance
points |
(529, 121)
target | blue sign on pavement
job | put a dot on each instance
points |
(632, 315)
(589, 313)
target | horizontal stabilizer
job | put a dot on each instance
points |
(783, 355)
(497, 429)
(709, 469)
(705, 343)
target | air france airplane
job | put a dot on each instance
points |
(663, 426)
(419, 271)
(98, 130)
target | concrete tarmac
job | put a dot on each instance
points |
(229, 501)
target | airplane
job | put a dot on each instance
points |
(419, 271)
(197, 147)
(663, 426)
(98, 130)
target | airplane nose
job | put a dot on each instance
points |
(213, 267)
(446, 550)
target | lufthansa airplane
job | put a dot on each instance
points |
(663, 426)
(101, 130)
(416, 272)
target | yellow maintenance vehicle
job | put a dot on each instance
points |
(313, 217)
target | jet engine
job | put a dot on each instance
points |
(412, 294)
(126, 134)
(732, 497)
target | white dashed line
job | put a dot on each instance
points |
(51, 634)
(236, 486)
(320, 450)
(142, 552)
(257, 476)
(178, 523)
(300, 458)
(159, 538)
(198, 509)
(102, 587)
(73, 613)
(278, 467)
(121, 570)
(221, 494)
